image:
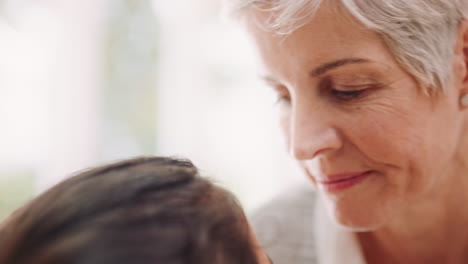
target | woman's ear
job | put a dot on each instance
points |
(461, 64)
(464, 100)
(461, 55)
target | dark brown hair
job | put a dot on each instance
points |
(140, 211)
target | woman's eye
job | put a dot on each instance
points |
(348, 95)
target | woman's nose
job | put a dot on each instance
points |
(312, 132)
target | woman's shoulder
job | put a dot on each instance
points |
(285, 226)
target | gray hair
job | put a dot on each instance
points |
(420, 34)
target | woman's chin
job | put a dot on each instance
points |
(366, 207)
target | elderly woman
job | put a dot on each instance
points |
(373, 102)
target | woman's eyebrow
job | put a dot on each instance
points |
(322, 69)
(335, 64)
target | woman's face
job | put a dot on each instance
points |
(368, 137)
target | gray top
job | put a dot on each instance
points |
(285, 227)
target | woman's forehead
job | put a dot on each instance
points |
(322, 40)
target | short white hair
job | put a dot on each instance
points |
(421, 34)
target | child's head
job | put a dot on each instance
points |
(139, 211)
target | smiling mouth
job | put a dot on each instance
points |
(344, 181)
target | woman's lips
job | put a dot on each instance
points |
(341, 182)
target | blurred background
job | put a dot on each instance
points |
(92, 81)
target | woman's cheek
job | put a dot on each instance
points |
(380, 134)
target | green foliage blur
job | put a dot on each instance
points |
(15, 190)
